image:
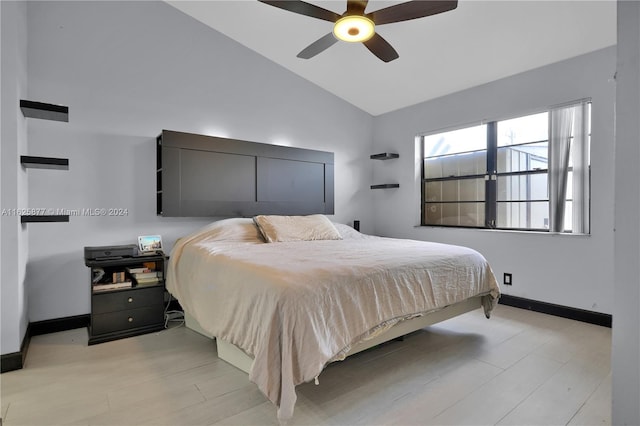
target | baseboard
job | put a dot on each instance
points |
(591, 317)
(59, 324)
(11, 362)
(15, 361)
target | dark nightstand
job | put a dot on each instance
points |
(130, 310)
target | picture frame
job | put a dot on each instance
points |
(149, 244)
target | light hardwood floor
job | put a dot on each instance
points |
(518, 368)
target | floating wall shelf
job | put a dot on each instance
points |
(44, 218)
(32, 109)
(44, 162)
(386, 186)
(384, 156)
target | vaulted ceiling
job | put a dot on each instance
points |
(478, 42)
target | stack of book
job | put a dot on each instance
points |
(111, 286)
(145, 276)
(118, 281)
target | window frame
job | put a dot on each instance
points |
(491, 175)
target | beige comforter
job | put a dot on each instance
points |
(296, 306)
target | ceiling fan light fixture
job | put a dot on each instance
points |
(354, 28)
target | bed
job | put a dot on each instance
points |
(285, 296)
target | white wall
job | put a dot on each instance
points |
(127, 70)
(626, 316)
(13, 244)
(574, 271)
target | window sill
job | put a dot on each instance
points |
(507, 231)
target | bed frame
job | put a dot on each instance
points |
(238, 358)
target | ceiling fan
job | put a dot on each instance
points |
(355, 25)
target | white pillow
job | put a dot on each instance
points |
(296, 228)
(237, 229)
(348, 233)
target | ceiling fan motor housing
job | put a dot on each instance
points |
(354, 28)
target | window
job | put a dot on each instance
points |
(524, 173)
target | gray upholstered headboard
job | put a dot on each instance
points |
(216, 177)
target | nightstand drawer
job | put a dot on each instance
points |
(128, 299)
(126, 320)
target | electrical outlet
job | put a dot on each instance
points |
(508, 279)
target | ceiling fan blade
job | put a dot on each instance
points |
(318, 46)
(356, 7)
(381, 48)
(411, 10)
(304, 8)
